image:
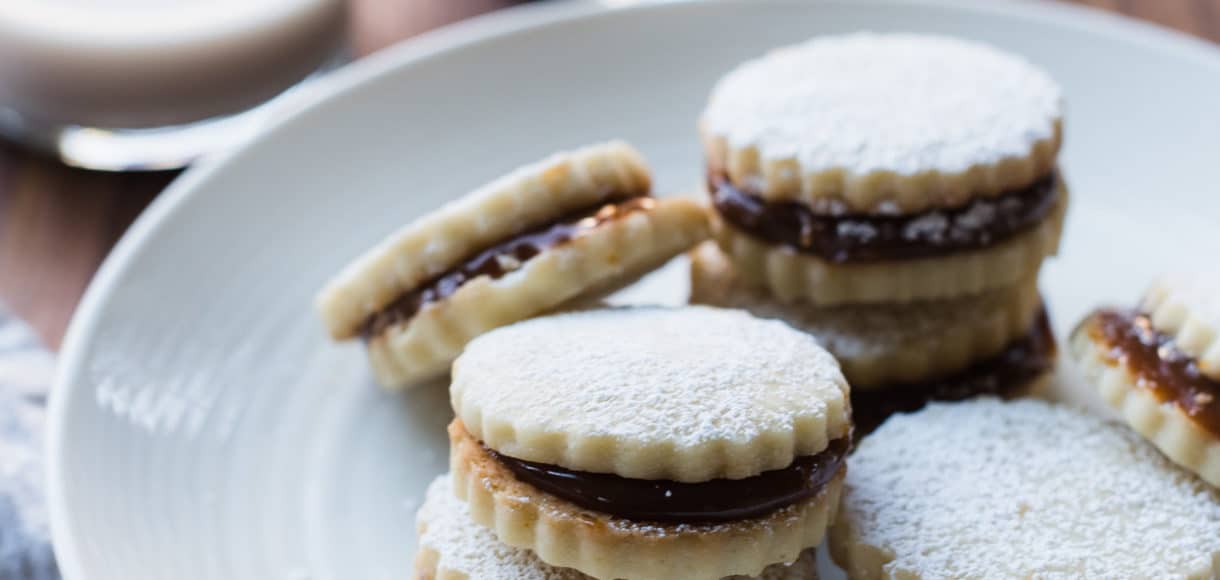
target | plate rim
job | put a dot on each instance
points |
(495, 25)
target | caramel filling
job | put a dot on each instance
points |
(1172, 376)
(1005, 375)
(502, 258)
(848, 237)
(718, 500)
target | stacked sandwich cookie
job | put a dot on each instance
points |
(575, 224)
(898, 357)
(1158, 365)
(901, 191)
(1020, 489)
(651, 442)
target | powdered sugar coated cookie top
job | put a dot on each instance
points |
(987, 489)
(688, 394)
(864, 104)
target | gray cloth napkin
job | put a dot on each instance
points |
(26, 371)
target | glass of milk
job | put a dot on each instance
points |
(153, 84)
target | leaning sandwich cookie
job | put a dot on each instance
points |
(574, 224)
(1022, 489)
(885, 168)
(453, 547)
(651, 442)
(899, 356)
(1158, 365)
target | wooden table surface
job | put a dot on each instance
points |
(57, 223)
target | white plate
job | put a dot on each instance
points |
(203, 427)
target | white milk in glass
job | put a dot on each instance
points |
(132, 64)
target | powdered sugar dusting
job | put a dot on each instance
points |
(885, 330)
(471, 549)
(653, 380)
(902, 103)
(987, 489)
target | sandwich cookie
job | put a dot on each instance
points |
(1023, 489)
(899, 356)
(574, 224)
(453, 547)
(1158, 365)
(885, 168)
(651, 442)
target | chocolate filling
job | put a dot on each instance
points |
(1161, 367)
(1005, 375)
(502, 258)
(718, 500)
(854, 237)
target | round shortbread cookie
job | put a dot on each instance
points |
(879, 345)
(529, 196)
(453, 547)
(1187, 307)
(686, 394)
(564, 534)
(793, 276)
(1164, 424)
(602, 258)
(883, 123)
(1026, 489)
